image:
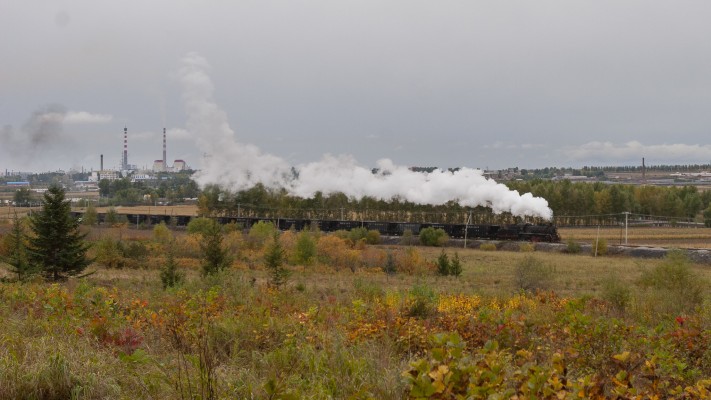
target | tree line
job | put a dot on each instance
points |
(572, 204)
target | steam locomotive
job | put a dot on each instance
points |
(521, 232)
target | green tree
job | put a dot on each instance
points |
(200, 225)
(22, 197)
(305, 249)
(433, 237)
(161, 233)
(215, 257)
(274, 261)
(260, 232)
(110, 253)
(57, 247)
(390, 266)
(91, 217)
(16, 244)
(169, 274)
(443, 264)
(455, 266)
(707, 216)
(111, 216)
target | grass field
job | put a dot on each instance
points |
(342, 328)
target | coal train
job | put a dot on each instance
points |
(520, 232)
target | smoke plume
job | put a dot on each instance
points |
(240, 166)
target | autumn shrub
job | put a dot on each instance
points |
(422, 301)
(531, 274)
(672, 287)
(187, 246)
(305, 251)
(367, 289)
(356, 235)
(433, 237)
(617, 293)
(410, 261)
(572, 247)
(260, 233)
(234, 242)
(372, 237)
(372, 257)
(599, 247)
(487, 247)
(526, 247)
(408, 239)
(288, 241)
(161, 233)
(135, 250)
(332, 250)
(109, 253)
(200, 225)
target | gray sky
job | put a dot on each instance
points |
(428, 83)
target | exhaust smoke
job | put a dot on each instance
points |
(238, 166)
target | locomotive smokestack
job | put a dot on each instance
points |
(165, 160)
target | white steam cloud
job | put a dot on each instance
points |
(240, 166)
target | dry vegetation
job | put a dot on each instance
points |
(343, 328)
(681, 237)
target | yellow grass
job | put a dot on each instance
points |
(646, 236)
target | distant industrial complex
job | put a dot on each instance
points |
(131, 170)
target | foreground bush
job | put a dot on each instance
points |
(433, 237)
(531, 274)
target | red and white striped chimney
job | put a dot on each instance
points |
(165, 165)
(125, 148)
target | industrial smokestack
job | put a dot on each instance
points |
(165, 160)
(102, 163)
(644, 172)
(124, 164)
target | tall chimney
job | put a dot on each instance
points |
(102, 163)
(165, 165)
(644, 172)
(124, 164)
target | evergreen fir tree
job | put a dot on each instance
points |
(455, 266)
(169, 274)
(57, 248)
(215, 257)
(390, 266)
(443, 265)
(274, 260)
(18, 252)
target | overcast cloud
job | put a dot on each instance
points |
(429, 83)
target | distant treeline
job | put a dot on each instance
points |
(591, 203)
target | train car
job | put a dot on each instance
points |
(521, 232)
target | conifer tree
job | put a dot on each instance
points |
(455, 266)
(57, 248)
(169, 274)
(214, 257)
(274, 260)
(443, 265)
(17, 247)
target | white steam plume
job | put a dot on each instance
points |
(240, 166)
